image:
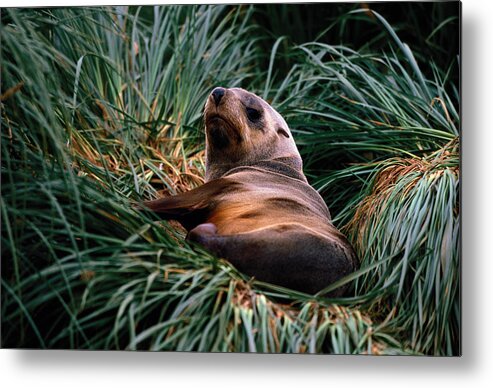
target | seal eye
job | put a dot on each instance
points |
(253, 114)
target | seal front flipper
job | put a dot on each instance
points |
(289, 255)
(192, 207)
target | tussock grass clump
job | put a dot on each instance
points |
(101, 107)
(409, 226)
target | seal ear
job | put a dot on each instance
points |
(282, 131)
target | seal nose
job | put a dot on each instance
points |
(217, 94)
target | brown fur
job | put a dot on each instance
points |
(256, 208)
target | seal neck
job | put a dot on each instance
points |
(290, 166)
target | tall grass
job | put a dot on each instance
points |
(102, 106)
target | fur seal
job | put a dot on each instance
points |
(256, 208)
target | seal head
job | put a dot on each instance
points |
(241, 129)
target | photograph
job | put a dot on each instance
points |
(232, 178)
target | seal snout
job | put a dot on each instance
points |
(217, 94)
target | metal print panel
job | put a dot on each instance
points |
(232, 178)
